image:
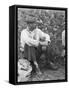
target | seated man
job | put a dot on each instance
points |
(30, 41)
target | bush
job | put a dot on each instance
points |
(53, 23)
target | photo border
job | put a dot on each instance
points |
(16, 43)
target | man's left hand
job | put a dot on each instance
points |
(43, 48)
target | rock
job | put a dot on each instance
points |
(24, 70)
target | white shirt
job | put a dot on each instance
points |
(32, 37)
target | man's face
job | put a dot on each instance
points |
(31, 26)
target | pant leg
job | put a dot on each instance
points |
(27, 52)
(38, 52)
(30, 52)
(33, 53)
(49, 54)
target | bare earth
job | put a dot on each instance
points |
(50, 75)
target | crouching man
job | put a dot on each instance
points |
(30, 41)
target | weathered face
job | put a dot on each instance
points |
(32, 26)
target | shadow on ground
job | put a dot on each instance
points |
(48, 74)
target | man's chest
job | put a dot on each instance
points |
(33, 35)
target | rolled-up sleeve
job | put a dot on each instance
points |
(42, 34)
(29, 41)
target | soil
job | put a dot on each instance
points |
(48, 74)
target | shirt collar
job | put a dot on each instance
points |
(30, 31)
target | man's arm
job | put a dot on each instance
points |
(29, 41)
(44, 36)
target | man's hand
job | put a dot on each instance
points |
(45, 43)
(37, 44)
(43, 48)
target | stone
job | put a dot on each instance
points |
(24, 70)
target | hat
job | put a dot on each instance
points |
(30, 19)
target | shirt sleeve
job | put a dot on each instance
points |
(42, 34)
(29, 41)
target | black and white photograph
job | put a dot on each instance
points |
(38, 48)
(41, 44)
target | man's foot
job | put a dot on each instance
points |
(52, 66)
(39, 72)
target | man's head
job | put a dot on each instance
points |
(31, 26)
(31, 23)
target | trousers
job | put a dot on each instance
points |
(32, 53)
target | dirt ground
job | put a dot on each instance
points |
(48, 74)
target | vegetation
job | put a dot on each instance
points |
(53, 23)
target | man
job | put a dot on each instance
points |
(32, 39)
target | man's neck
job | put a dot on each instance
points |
(30, 30)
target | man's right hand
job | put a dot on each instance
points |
(37, 44)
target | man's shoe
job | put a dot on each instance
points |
(39, 75)
(38, 72)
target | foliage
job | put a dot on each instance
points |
(53, 23)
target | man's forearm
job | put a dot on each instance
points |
(32, 42)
